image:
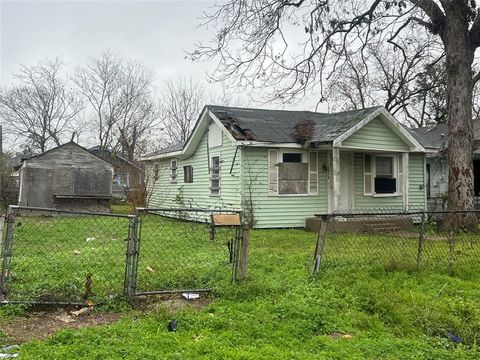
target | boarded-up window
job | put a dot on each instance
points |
(173, 171)
(272, 172)
(367, 174)
(313, 173)
(293, 178)
(188, 174)
(215, 176)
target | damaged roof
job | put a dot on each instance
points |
(277, 126)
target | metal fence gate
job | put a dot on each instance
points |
(50, 256)
(179, 250)
(55, 256)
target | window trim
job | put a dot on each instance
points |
(279, 159)
(373, 173)
(173, 171)
(215, 177)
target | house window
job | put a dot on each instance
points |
(156, 171)
(383, 174)
(296, 174)
(188, 174)
(385, 181)
(173, 171)
(292, 157)
(215, 176)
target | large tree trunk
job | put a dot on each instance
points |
(459, 57)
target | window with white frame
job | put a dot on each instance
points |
(215, 176)
(173, 171)
(383, 174)
(292, 172)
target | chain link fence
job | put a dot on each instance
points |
(398, 241)
(68, 257)
(53, 256)
(184, 250)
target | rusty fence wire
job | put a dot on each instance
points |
(414, 240)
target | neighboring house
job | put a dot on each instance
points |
(127, 175)
(434, 140)
(66, 177)
(250, 159)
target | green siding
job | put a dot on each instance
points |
(416, 184)
(370, 202)
(376, 135)
(197, 194)
(416, 189)
(280, 211)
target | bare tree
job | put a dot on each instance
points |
(121, 95)
(410, 85)
(181, 103)
(41, 108)
(252, 48)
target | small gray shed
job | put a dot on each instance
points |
(67, 177)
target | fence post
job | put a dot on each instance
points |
(451, 245)
(243, 258)
(6, 251)
(130, 258)
(420, 241)
(322, 234)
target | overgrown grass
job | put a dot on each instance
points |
(282, 312)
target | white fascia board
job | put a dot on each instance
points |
(270, 144)
(162, 156)
(391, 122)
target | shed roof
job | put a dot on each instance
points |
(70, 143)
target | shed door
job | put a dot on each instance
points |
(39, 183)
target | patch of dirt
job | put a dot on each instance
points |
(40, 325)
(172, 303)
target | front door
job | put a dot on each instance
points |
(346, 193)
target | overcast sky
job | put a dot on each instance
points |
(156, 32)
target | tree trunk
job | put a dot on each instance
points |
(459, 57)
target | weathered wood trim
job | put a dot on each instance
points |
(336, 177)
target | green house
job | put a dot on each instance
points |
(281, 167)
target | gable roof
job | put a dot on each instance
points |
(276, 126)
(70, 143)
(249, 126)
(436, 137)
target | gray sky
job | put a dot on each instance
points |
(155, 32)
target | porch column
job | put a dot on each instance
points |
(335, 178)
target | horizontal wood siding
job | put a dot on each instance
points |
(376, 135)
(416, 185)
(273, 211)
(369, 202)
(197, 193)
